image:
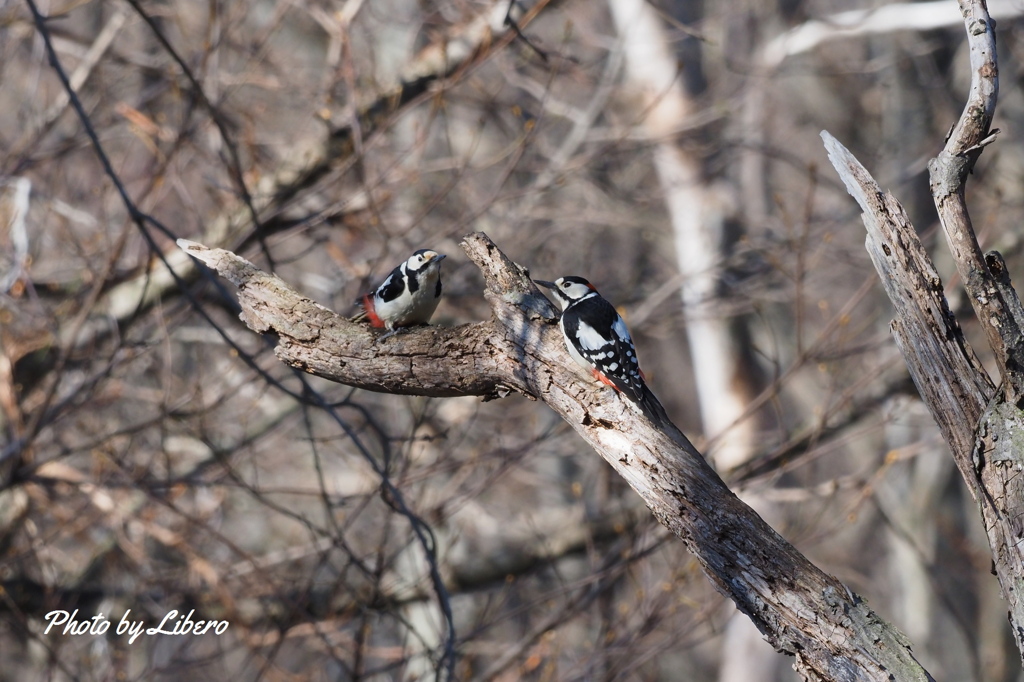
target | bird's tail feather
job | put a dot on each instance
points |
(650, 405)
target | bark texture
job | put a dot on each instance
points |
(983, 425)
(800, 609)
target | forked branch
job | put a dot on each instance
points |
(983, 425)
(800, 609)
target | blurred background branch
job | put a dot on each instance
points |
(299, 136)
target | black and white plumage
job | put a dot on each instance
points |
(598, 340)
(408, 296)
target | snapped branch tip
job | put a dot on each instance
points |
(190, 246)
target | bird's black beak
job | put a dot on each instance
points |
(547, 285)
(440, 257)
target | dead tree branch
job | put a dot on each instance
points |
(800, 609)
(982, 425)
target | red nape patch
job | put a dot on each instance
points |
(603, 379)
(371, 314)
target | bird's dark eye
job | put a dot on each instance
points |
(566, 285)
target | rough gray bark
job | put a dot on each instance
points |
(983, 425)
(800, 609)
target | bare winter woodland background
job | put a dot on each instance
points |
(149, 464)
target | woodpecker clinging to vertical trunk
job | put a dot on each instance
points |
(408, 296)
(597, 339)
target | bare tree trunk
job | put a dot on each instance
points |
(698, 209)
(981, 424)
(800, 609)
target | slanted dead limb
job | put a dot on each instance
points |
(983, 425)
(800, 609)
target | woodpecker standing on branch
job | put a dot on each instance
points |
(408, 296)
(597, 339)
